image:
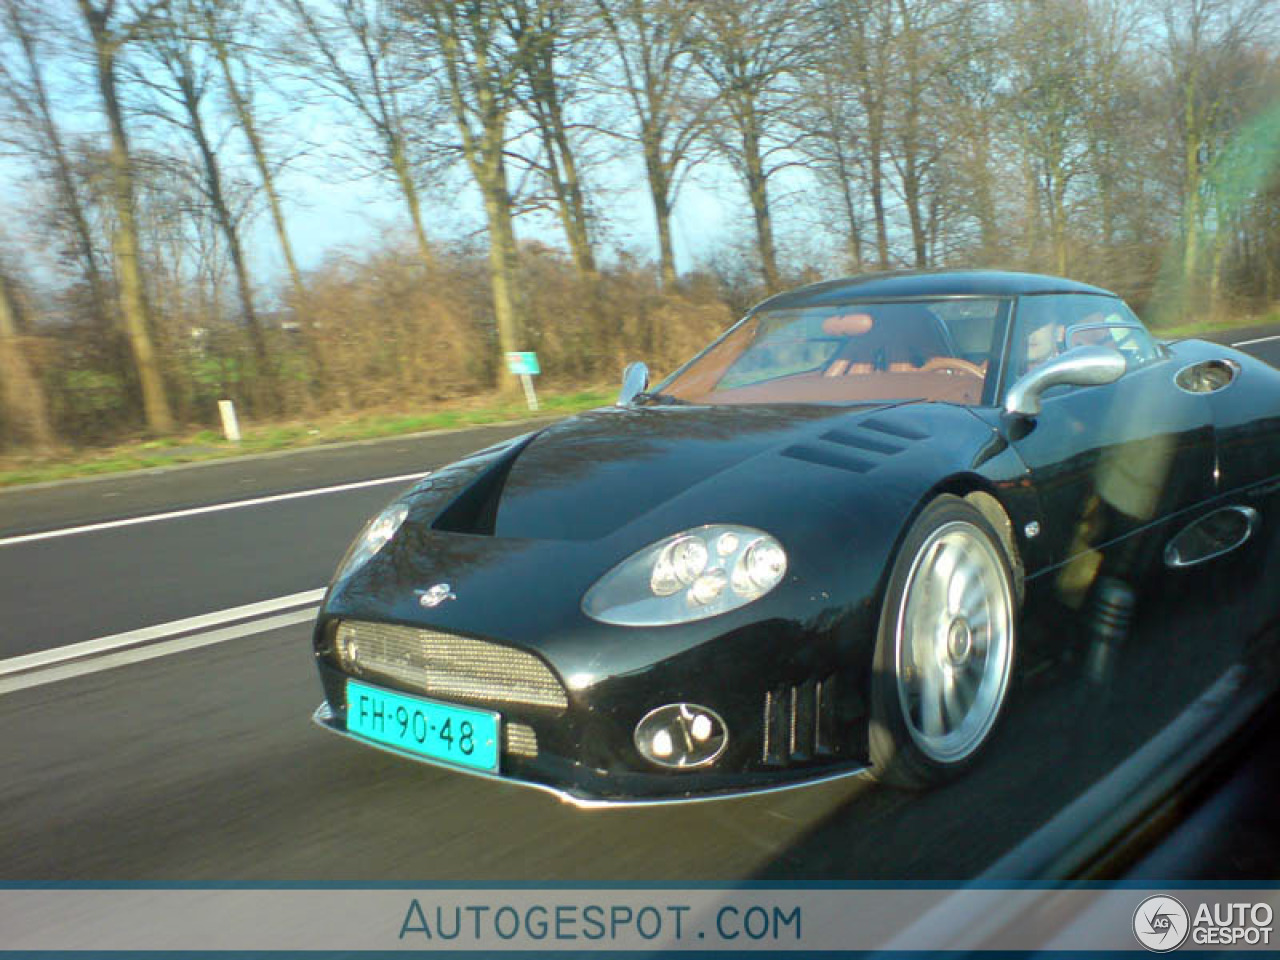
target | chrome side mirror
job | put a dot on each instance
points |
(1081, 367)
(634, 380)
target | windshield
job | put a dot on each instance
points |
(943, 350)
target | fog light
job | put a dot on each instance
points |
(661, 744)
(681, 736)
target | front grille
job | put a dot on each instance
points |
(448, 666)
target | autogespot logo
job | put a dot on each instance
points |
(1161, 923)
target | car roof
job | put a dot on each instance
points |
(913, 284)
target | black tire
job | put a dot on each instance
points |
(944, 640)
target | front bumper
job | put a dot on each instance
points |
(577, 796)
(789, 725)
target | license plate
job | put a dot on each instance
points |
(440, 731)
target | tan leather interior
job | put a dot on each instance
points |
(946, 386)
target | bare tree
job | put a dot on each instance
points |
(1203, 41)
(864, 33)
(109, 32)
(545, 31)
(32, 122)
(969, 104)
(356, 55)
(481, 64)
(652, 46)
(930, 41)
(832, 113)
(181, 80)
(751, 53)
(220, 23)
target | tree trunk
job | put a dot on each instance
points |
(248, 124)
(504, 269)
(983, 202)
(565, 182)
(1058, 197)
(1191, 211)
(911, 197)
(660, 193)
(133, 301)
(404, 177)
(758, 193)
(845, 177)
(64, 181)
(23, 396)
(875, 141)
(266, 386)
(574, 209)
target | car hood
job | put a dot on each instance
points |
(521, 531)
(586, 477)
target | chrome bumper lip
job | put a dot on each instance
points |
(323, 717)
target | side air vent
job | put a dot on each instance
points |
(799, 722)
(1207, 376)
(1211, 536)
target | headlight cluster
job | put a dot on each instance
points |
(373, 538)
(689, 576)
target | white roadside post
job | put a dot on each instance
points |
(525, 366)
(230, 426)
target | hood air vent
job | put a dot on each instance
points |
(475, 510)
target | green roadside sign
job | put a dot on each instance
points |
(523, 364)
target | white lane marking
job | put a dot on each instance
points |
(117, 641)
(213, 508)
(65, 671)
(1245, 343)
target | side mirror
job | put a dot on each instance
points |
(634, 380)
(1082, 367)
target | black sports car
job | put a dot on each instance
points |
(805, 553)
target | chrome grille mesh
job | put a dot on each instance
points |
(519, 740)
(448, 666)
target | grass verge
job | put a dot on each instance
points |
(266, 437)
(1201, 327)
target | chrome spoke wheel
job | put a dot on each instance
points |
(953, 641)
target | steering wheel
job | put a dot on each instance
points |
(954, 365)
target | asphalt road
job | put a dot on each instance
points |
(202, 764)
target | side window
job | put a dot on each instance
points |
(1137, 346)
(1048, 325)
(1039, 332)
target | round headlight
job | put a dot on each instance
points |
(376, 535)
(766, 563)
(689, 576)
